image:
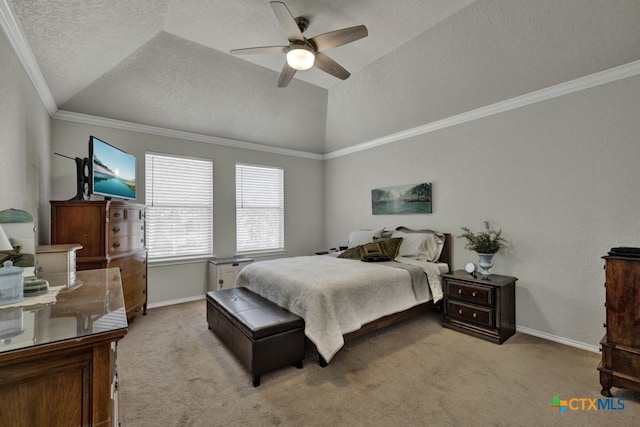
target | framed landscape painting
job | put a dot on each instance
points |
(402, 199)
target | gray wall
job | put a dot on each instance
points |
(24, 141)
(303, 196)
(490, 51)
(559, 177)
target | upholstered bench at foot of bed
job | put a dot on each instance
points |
(261, 334)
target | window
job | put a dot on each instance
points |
(179, 198)
(259, 208)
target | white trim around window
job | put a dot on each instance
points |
(179, 199)
(259, 209)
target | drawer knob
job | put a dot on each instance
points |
(116, 244)
(117, 214)
(460, 291)
(460, 311)
(116, 229)
(604, 325)
(475, 315)
(473, 294)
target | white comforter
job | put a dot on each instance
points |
(336, 296)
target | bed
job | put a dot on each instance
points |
(341, 297)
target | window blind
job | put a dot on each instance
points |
(179, 198)
(259, 208)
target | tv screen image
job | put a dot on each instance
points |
(113, 171)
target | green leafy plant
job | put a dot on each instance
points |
(488, 241)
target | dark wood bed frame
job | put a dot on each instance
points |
(383, 322)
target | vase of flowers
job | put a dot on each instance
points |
(486, 244)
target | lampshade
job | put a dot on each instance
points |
(5, 244)
(300, 57)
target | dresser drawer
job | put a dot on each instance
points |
(130, 264)
(135, 228)
(120, 244)
(470, 313)
(624, 360)
(473, 293)
(134, 290)
(125, 213)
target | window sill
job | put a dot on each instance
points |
(162, 262)
(259, 254)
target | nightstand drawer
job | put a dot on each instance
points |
(469, 313)
(476, 294)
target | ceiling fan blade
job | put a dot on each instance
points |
(259, 50)
(330, 66)
(286, 75)
(287, 21)
(339, 37)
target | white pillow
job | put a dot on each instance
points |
(420, 246)
(360, 237)
(27, 245)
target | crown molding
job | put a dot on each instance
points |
(613, 74)
(586, 82)
(171, 133)
(23, 50)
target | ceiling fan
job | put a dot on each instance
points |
(303, 53)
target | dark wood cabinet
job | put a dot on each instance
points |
(112, 234)
(484, 307)
(620, 365)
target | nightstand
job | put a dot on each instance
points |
(484, 307)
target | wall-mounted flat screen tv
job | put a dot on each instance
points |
(112, 172)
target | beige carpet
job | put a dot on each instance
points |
(175, 372)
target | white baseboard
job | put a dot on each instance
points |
(174, 301)
(561, 340)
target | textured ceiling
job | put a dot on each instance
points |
(76, 41)
(166, 63)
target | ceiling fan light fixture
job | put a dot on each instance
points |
(300, 57)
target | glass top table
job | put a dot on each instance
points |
(92, 305)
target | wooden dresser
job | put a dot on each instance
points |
(620, 365)
(112, 234)
(484, 307)
(58, 360)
